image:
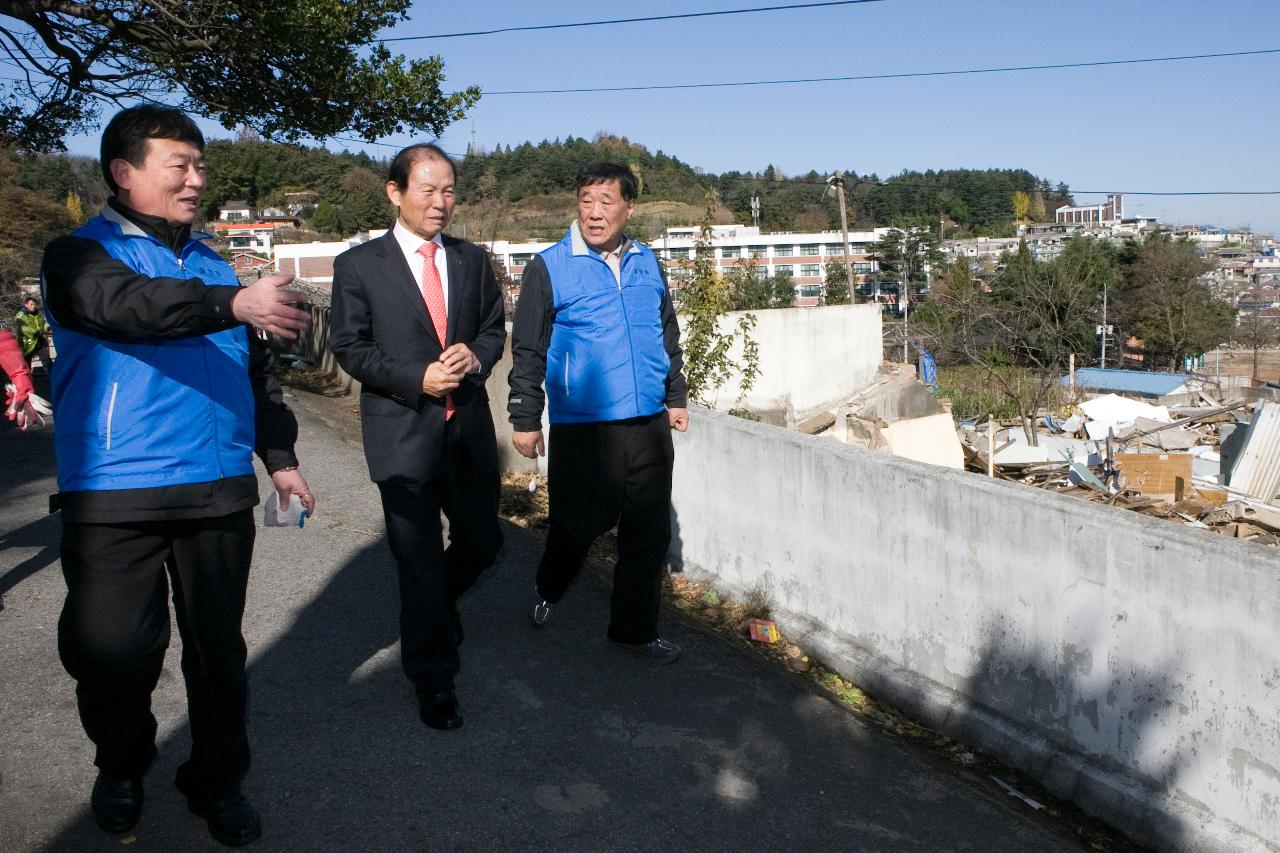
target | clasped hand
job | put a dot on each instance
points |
(444, 375)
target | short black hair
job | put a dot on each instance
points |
(398, 174)
(602, 173)
(128, 132)
(30, 299)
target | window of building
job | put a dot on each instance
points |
(810, 290)
(520, 259)
(784, 269)
(809, 249)
(810, 269)
(862, 267)
(837, 249)
(516, 276)
(762, 251)
(729, 252)
(677, 254)
(784, 251)
(761, 271)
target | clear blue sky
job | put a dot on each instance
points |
(1196, 125)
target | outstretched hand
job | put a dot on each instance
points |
(266, 305)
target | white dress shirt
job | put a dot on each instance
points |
(409, 244)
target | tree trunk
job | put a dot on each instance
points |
(1029, 428)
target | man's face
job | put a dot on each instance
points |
(426, 202)
(30, 305)
(602, 214)
(169, 183)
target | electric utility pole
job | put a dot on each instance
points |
(837, 181)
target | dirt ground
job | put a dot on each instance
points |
(1239, 362)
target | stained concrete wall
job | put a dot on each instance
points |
(810, 358)
(1130, 665)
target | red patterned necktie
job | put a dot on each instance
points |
(433, 295)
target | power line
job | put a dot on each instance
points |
(897, 76)
(676, 17)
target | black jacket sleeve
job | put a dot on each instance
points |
(488, 342)
(275, 428)
(91, 292)
(677, 386)
(530, 337)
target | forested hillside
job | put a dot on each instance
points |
(526, 192)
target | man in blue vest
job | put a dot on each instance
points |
(596, 327)
(163, 394)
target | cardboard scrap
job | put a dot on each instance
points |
(929, 439)
(1155, 473)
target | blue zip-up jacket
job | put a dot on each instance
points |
(604, 350)
(158, 412)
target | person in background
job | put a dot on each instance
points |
(33, 332)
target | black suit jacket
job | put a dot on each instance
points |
(382, 334)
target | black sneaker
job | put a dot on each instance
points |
(657, 650)
(541, 614)
(116, 802)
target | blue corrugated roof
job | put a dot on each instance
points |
(1128, 381)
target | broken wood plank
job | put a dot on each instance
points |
(1154, 473)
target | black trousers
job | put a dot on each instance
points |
(114, 630)
(431, 576)
(601, 475)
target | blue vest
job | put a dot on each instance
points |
(606, 360)
(153, 413)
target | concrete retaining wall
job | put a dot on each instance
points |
(1131, 666)
(810, 358)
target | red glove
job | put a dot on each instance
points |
(21, 404)
(14, 364)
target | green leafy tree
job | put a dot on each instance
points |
(837, 285)
(28, 220)
(905, 255)
(784, 291)
(325, 219)
(1022, 333)
(305, 68)
(750, 289)
(364, 202)
(1170, 306)
(707, 296)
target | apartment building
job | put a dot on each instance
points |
(803, 256)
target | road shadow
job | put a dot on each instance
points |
(570, 744)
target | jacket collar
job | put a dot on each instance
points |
(578, 246)
(135, 224)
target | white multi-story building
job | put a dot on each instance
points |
(803, 256)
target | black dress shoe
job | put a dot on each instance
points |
(656, 650)
(116, 802)
(232, 819)
(440, 710)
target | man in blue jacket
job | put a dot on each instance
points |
(596, 327)
(163, 394)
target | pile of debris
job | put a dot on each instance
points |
(1211, 465)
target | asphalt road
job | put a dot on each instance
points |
(569, 745)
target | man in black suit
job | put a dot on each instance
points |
(417, 318)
